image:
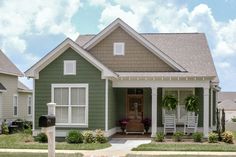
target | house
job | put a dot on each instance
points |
(227, 101)
(119, 73)
(15, 97)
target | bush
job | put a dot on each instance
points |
(160, 137)
(99, 136)
(74, 136)
(212, 137)
(88, 136)
(5, 129)
(178, 135)
(197, 136)
(228, 137)
(41, 138)
(233, 119)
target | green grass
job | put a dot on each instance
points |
(134, 155)
(37, 155)
(17, 141)
(186, 147)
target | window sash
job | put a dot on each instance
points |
(15, 105)
(69, 106)
(70, 67)
(29, 109)
(119, 48)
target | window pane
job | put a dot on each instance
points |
(82, 96)
(15, 110)
(74, 96)
(57, 96)
(78, 115)
(62, 114)
(61, 96)
(29, 109)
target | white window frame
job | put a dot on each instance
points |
(17, 104)
(29, 105)
(178, 120)
(119, 44)
(86, 86)
(66, 62)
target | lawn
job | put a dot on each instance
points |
(135, 155)
(186, 147)
(17, 141)
(37, 155)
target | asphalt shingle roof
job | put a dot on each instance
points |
(23, 88)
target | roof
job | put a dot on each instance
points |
(190, 50)
(227, 96)
(2, 88)
(23, 88)
(68, 43)
(7, 67)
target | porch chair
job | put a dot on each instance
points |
(191, 123)
(169, 124)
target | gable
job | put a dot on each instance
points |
(137, 58)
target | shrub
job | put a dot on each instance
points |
(178, 135)
(228, 137)
(160, 137)
(74, 136)
(88, 136)
(233, 119)
(197, 136)
(5, 129)
(99, 136)
(212, 137)
(41, 138)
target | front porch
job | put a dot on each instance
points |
(147, 97)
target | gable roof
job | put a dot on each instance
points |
(7, 67)
(67, 43)
(119, 23)
(227, 96)
(190, 50)
(23, 88)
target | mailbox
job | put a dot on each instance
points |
(47, 121)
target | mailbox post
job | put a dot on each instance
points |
(47, 122)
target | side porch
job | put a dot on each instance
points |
(141, 99)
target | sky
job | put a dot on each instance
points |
(30, 29)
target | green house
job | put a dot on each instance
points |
(118, 73)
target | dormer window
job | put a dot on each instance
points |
(119, 49)
(69, 67)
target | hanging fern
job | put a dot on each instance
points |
(192, 103)
(169, 102)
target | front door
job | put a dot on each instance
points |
(135, 104)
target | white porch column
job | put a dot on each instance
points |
(154, 111)
(211, 108)
(206, 112)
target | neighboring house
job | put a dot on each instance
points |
(227, 101)
(119, 73)
(15, 98)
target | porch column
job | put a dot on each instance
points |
(154, 111)
(206, 112)
(211, 108)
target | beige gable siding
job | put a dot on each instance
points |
(136, 58)
(10, 82)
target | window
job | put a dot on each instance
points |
(119, 49)
(69, 67)
(180, 111)
(71, 104)
(15, 105)
(29, 105)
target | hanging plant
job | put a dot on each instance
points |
(192, 103)
(169, 102)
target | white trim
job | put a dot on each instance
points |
(73, 62)
(69, 86)
(119, 23)
(211, 107)
(154, 111)
(68, 43)
(29, 105)
(33, 107)
(122, 44)
(106, 105)
(17, 105)
(206, 112)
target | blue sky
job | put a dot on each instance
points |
(30, 29)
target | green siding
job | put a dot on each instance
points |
(86, 73)
(120, 98)
(159, 107)
(111, 106)
(199, 93)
